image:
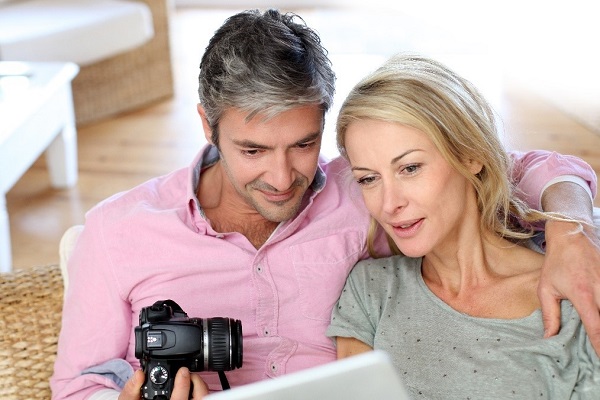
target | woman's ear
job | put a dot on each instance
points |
(205, 125)
(474, 166)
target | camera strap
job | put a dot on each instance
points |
(160, 311)
(224, 381)
(161, 304)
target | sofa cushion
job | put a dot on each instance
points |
(81, 31)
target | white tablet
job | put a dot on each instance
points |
(365, 376)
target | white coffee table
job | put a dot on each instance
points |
(36, 115)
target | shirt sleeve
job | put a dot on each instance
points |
(350, 316)
(105, 394)
(534, 171)
(95, 320)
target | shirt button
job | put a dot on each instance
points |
(266, 331)
(274, 367)
(220, 236)
(259, 268)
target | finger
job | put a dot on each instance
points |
(590, 316)
(200, 389)
(182, 385)
(550, 312)
(133, 387)
(592, 327)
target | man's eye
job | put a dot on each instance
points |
(306, 145)
(251, 152)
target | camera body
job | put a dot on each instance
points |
(167, 340)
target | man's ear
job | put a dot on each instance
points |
(205, 125)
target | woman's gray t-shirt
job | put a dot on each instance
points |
(441, 353)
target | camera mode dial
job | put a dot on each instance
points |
(159, 375)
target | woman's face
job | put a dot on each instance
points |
(408, 187)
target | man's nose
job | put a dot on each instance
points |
(281, 173)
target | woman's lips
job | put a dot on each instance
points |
(407, 229)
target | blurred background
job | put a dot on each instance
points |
(535, 61)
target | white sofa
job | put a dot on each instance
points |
(121, 46)
(81, 31)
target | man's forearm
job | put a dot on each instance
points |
(569, 199)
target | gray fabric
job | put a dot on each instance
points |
(443, 354)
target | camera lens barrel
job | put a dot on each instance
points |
(222, 344)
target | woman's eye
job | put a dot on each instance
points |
(365, 180)
(410, 169)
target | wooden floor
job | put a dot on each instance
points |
(119, 153)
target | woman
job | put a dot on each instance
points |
(461, 317)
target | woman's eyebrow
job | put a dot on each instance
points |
(394, 160)
(407, 152)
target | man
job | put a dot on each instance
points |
(258, 228)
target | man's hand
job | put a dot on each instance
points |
(181, 388)
(571, 268)
(132, 388)
(571, 271)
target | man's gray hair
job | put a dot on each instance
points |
(264, 63)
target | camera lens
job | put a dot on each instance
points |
(222, 344)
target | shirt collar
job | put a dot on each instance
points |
(207, 156)
(320, 178)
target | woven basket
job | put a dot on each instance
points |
(130, 80)
(31, 305)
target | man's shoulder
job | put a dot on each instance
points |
(338, 174)
(339, 192)
(156, 193)
(335, 165)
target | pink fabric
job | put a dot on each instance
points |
(153, 243)
(532, 170)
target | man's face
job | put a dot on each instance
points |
(269, 163)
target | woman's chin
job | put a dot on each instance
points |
(411, 251)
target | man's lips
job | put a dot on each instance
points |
(279, 196)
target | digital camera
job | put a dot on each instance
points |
(167, 340)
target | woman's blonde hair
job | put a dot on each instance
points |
(424, 94)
